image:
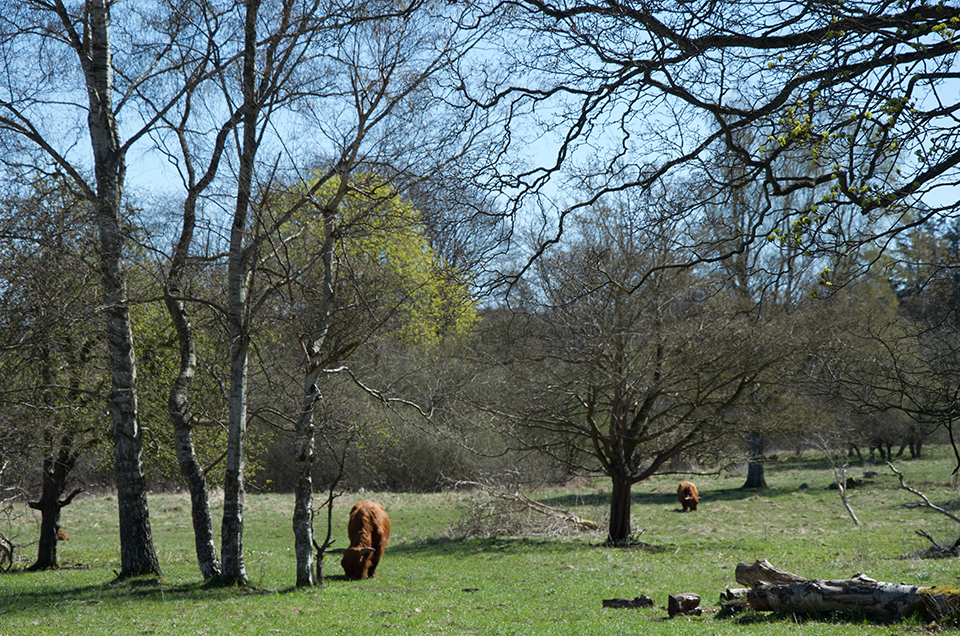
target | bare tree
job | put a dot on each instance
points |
(620, 376)
(362, 78)
(625, 95)
(391, 97)
(50, 357)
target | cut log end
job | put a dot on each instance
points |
(684, 604)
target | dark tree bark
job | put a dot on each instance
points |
(55, 473)
(620, 501)
(755, 474)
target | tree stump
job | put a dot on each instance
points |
(683, 604)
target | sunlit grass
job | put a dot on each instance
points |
(433, 582)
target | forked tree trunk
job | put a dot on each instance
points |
(55, 473)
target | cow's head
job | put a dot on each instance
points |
(355, 562)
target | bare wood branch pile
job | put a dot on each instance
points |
(508, 512)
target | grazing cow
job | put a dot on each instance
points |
(369, 532)
(688, 495)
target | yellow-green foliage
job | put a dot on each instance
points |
(383, 250)
(158, 362)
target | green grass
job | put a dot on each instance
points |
(431, 582)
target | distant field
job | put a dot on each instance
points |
(434, 582)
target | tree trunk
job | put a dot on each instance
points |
(755, 475)
(231, 530)
(55, 473)
(193, 476)
(241, 264)
(178, 403)
(303, 491)
(620, 500)
(303, 504)
(182, 419)
(137, 554)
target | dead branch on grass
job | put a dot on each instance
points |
(936, 551)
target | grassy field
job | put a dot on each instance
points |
(434, 582)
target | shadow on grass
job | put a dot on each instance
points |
(602, 499)
(751, 618)
(468, 547)
(53, 594)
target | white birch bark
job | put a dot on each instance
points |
(240, 267)
(137, 554)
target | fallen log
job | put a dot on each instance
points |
(641, 601)
(748, 574)
(734, 593)
(860, 595)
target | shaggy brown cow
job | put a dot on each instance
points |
(688, 495)
(369, 532)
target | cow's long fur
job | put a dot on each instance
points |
(369, 532)
(688, 495)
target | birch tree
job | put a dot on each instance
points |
(354, 76)
(392, 121)
(64, 81)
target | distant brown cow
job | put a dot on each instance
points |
(688, 495)
(369, 532)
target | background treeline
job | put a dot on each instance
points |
(858, 368)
